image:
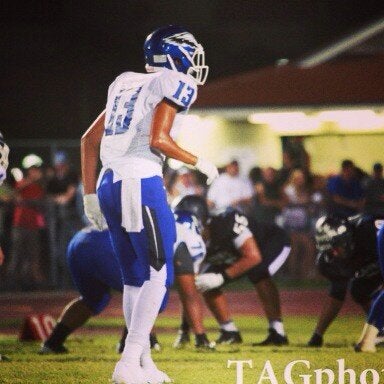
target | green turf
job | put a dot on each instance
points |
(92, 357)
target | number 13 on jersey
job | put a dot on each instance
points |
(184, 94)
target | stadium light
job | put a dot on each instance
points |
(274, 117)
(353, 119)
(286, 121)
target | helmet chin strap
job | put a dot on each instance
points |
(151, 69)
(173, 66)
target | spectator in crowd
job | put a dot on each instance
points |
(62, 185)
(296, 218)
(4, 152)
(28, 219)
(287, 168)
(230, 190)
(255, 175)
(374, 193)
(64, 218)
(345, 191)
(269, 195)
(6, 212)
(185, 183)
(294, 156)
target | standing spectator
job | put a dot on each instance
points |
(297, 222)
(4, 152)
(255, 175)
(269, 195)
(287, 168)
(64, 218)
(230, 190)
(374, 193)
(345, 191)
(299, 156)
(185, 183)
(28, 219)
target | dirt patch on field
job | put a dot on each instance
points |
(294, 302)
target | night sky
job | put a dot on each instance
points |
(58, 57)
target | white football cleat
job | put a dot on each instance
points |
(126, 373)
(155, 376)
(367, 339)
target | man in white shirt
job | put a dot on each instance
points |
(230, 190)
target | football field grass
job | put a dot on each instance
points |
(92, 355)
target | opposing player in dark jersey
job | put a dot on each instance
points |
(347, 257)
(375, 321)
(237, 246)
(95, 272)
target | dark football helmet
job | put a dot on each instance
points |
(196, 206)
(334, 236)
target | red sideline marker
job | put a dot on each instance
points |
(37, 327)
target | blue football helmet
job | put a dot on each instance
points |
(175, 48)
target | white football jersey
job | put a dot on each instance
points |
(187, 233)
(132, 98)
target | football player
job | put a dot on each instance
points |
(88, 247)
(92, 247)
(375, 322)
(190, 251)
(237, 246)
(132, 137)
(4, 152)
(347, 257)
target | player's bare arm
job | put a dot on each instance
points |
(90, 145)
(90, 148)
(161, 140)
(250, 256)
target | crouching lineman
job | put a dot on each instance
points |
(190, 251)
(375, 321)
(237, 246)
(95, 271)
(347, 257)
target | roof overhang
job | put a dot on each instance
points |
(348, 82)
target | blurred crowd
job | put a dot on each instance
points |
(39, 213)
(41, 209)
(291, 197)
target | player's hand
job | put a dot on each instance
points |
(93, 212)
(207, 281)
(208, 168)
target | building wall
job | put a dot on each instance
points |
(327, 152)
(221, 140)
